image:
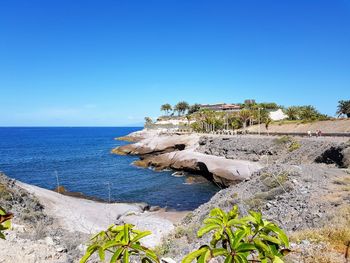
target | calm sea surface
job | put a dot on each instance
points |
(82, 161)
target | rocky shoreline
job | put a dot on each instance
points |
(302, 184)
(51, 227)
(227, 160)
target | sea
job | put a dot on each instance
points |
(79, 159)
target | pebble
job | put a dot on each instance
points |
(61, 249)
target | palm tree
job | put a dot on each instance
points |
(188, 117)
(267, 120)
(166, 108)
(181, 107)
(194, 108)
(309, 113)
(292, 112)
(344, 108)
(245, 115)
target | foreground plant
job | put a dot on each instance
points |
(240, 240)
(121, 242)
(5, 222)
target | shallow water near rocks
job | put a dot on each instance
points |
(81, 159)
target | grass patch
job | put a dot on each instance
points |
(295, 145)
(273, 186)
(336, 233)
(5, 193)
(254, 203)
(270, 181)
(283, 140)
(292, 143)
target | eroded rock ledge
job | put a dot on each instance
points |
(179, 152)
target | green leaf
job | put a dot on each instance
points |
(116, 228)
(262, 247)
(126, 257)
(277, 260)
(257, 217)
(212, 220)
(234, 222)
(279, 232)
(126, 237)
(101, 253)
(117, 255)
(6, 224)
(234, 212)
(86, 256)
(244, 247)
(2, 211)
(219, 252)
(206, 229)
(194, 255)
(228, 259)
(205, 257)
(217, 212)
(240, 258)
(112, 243)
(150, 254)
(270, 239)
(239, 235)
(141, 235)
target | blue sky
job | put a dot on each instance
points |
(109, 63)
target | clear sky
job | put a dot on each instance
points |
(109, 63)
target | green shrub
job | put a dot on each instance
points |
(284, 139)
(272, 181)
(122, 242)
(237, 239)
(295, 145)
(5, 222)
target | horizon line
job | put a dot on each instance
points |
(71, 126)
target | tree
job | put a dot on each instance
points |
(267, 120)
(234, 121)
(166, 108)
(308, 113)
(268, 105)
(181, 107)
(194, 108)
(245, 115)
(292, 112)
(344, 108)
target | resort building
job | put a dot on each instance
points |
(221, 107)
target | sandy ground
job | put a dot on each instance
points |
(331, 126)
(75, 214)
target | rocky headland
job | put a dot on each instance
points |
(302, 184)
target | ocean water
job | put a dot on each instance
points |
(81, 159)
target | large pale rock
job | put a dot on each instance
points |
(219, 169)
(158, 144)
